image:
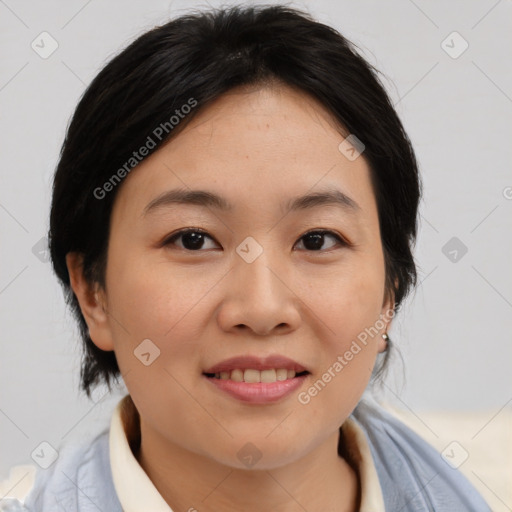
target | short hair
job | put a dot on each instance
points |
(200, 56)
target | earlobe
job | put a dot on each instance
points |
(92, 302)
(384, 342)
(386, 317)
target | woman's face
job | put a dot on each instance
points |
(253, 284)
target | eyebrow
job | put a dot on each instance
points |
(208, 199)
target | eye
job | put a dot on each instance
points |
(314, 240)
(192, 239)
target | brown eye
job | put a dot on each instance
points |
(192, 239)
(315, 240)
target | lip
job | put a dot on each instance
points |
(258, 392)
(245, 362)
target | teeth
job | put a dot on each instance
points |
(252, 376)
(282, 374)
(268, 376)
(237, 375)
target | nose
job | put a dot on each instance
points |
(259, 297)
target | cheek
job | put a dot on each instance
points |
(171, 307)
(349, 306)
(157, 323)
(348, 342)
(348, 297)
(152, 298)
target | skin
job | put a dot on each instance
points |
(257, 147)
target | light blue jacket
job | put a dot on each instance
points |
(412, 474)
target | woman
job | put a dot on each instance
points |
(233, 217)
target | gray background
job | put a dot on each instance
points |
(454, 333)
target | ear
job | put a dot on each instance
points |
(92, 300)
(387, 314)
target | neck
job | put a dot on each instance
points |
(322, 480)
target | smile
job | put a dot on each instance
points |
(252, 376)
(257, 391)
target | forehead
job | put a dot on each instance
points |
(256, 147)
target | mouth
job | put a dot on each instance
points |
(257, 380)
(254, 387)
(251, 368)
(253, 376)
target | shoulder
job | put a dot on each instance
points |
(71, 481)
(15, 487)
(412, 473)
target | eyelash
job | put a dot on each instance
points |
(341, 241)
